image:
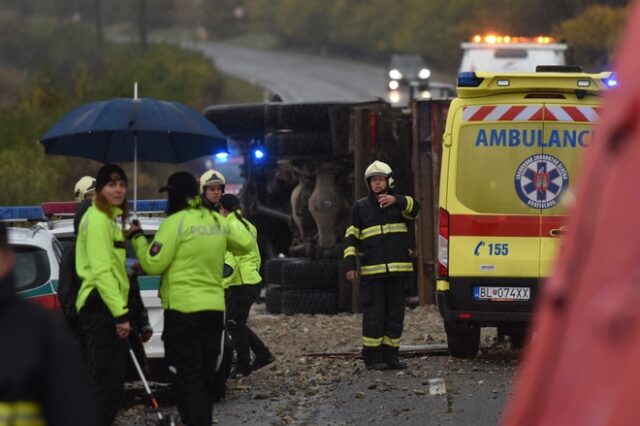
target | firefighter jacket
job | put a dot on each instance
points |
(380, 236)
(100, 261)
(41, 380)
(188, 251)
(246, 267)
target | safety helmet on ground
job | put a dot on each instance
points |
(84, 186)
(211, 177)
(378, 168)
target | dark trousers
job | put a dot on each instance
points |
(106, 355)
(192, 344)
(239, 299)
(382, 307)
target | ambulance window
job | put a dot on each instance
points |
(511, 53)
(489, 156)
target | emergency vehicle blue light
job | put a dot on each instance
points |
(469, 79)
(612, 81)
(150, 205)
(258, 154)
(21, 213)
(222, 156)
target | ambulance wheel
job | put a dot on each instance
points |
(463, 339)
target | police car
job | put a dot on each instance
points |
(149, 284)
(510, 159)
(36, 271)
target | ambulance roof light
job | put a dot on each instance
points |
(469, 79)
(507, 39)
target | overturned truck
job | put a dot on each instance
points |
(303, 169)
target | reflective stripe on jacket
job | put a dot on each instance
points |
(380, 236)
(246, 268)
(188, 251)
(100, 261)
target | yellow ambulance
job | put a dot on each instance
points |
(510, 159)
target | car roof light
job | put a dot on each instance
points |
(503, 82)
(63, 208)
(469, 79)
(150, 206)
(21, 213)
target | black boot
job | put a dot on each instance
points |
(373, 358)
(391, 358)
(262, 360)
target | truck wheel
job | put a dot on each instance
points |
(273, 269)
(317, 274)
(303, 145)
(463, 339)
(273, 299)
(239, 120)
(309, 302)
(307, 117)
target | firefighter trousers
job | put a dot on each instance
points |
(382, 310)
(239, 299)
(192, 344)
(106, 356)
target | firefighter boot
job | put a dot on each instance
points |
(391, 358)
(373, 358)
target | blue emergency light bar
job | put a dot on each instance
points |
(150, 206)
(611, 82)
(469, 79)
(21, 213)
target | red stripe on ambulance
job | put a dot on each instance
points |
(584, 114)
(472, 225)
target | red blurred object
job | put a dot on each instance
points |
(583, 364)
(63, 208)
(49, 302)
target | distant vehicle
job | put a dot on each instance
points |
(36, 271)
(408, 70)
(503, 53)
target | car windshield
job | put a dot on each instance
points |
(32, 267)
(407, 62)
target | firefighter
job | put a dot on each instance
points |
(42, 379)
(378, 230)
(102, 301)
(242, 288)
(188, 252)
(212, 185)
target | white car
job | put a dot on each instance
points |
(149, 285)
(38, 255)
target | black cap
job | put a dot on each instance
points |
(229, 202)
(106, 175)
(181, 183)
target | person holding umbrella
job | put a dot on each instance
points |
(102, 301)
(188, 252)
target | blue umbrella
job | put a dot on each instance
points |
(138, 129)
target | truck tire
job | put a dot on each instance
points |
(315, 274)
(273, 269)
(301, 145)
(240, 120)
(307, 117)
(309, 302)
(273, 299)
(463, 339)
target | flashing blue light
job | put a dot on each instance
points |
(611, 82)
(469, 79)
(259, 154)
(222, 156)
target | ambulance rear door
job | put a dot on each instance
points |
(495, 232)
(568, 131)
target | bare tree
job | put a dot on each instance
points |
(97, 6)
